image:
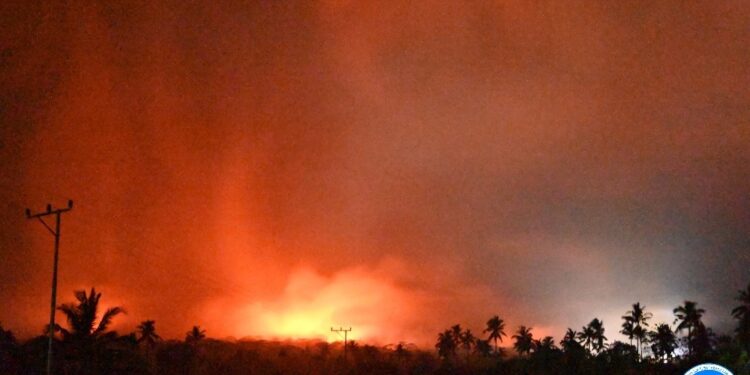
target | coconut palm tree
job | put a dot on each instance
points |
(703, 337)
(195, 334)
(483, 347)
(641, 335)
(446, 347)
(524, 340)
(467, 341)
(598, 338)
(83, 320)
(592, 336)
(742, 314)
(586, 337)
(547, 344)
(86, 336)
(496, 330)
(628, 329)
(663, 341)
(569, 341)
(638, 318)
(456, 331)
(689, 316)
(147, 331)
(639, 315)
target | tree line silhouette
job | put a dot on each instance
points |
(86, 345)
(651, 348)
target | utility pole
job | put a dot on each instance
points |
(346, 331)
(55, 232)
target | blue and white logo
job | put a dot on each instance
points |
(708, 369)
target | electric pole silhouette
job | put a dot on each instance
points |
(346, 331)
(55, 232)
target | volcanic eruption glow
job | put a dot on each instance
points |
(311, 304)
(273, 169)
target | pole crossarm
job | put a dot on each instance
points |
(49, 211)
(45, 213)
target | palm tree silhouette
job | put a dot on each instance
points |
(483, 348)
(702, 338)
(86, 335)
(641, 335)
(637, 318)
(496, 329)
(524, 340)
(628, 329)
(592, 335)
(598, 338)
(586, 337)
(456, 331)
(82, 317)
(742, 314)
(663, 341)
(147, 331)
(195, 334)
(569, 341)
(467, 340)
(446, 346)
(689, 316)
(547, 344)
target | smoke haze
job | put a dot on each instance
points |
(274, 169)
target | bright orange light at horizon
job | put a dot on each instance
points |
(301, 324)
(312, 304)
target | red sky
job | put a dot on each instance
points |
(268, 168)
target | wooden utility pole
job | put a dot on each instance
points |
(346, 331)
(55, 232)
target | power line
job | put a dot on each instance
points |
(55, 232)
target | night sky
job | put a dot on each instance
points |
(272, 169)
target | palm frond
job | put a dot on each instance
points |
(107, 318)
(80, 296)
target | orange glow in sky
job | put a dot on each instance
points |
(311, 304)
(273, 169)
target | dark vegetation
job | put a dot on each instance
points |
(86, 346)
